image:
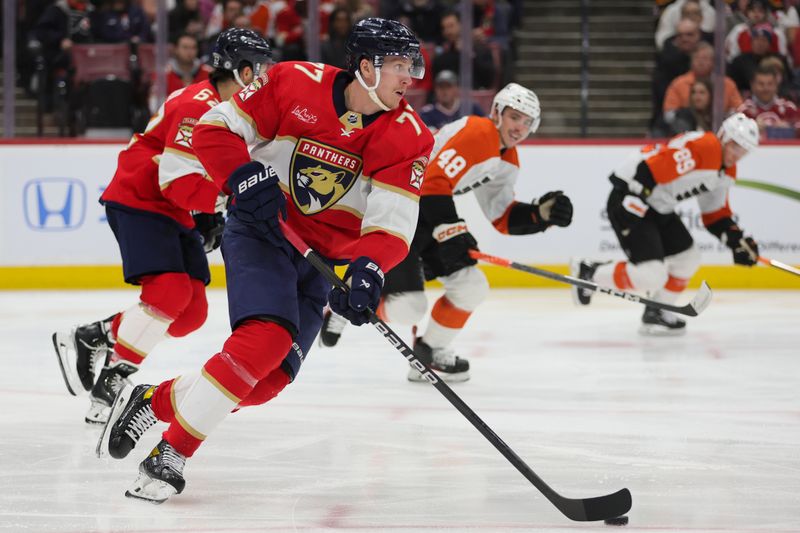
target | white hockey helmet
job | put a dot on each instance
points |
(523, 100)
(741, 129)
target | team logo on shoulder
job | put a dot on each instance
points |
(321, 175)
(417, 172)
(184, 135)
(251, 89)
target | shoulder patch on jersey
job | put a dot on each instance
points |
(417, 172)
(251, 89)
(321, 175)
(184, 135)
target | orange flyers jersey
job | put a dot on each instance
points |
(690, 164)
(158, 170)
(352, 181)
(467, 157)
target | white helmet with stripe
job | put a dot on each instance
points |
(523, 100)
(741, 129)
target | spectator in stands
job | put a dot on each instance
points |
(739, 38)
(448, 56)
(424, 17)
(677, 95)
(743, 66)
(279, 22)
(669, 19)
(184, 67)
(222, 18)
(482, 20)
(777, 65)
(185, 18)
(776, 116)
(446, 107)
(697, 116)
(673, 61)
(333, 48)
(61, 25)
(120, 21)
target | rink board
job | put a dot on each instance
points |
(54, 234)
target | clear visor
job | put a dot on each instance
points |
(414, 67)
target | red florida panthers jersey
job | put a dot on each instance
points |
(352, 181)
(158, 170)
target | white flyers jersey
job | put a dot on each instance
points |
(690, 164)
(467, 157)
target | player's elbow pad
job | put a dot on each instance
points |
(644, 176)
(522, 220)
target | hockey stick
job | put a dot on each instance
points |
(693, 308)
(777, 264)
(584, 510)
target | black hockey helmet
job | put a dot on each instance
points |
(376, 38)
(237, 45)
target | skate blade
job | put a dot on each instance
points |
(574, 271)
(415, 377)
(652, 330)
(97, 414)
(113, 415)
(150, 490)
(65, 352)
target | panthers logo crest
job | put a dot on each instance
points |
(321, 175)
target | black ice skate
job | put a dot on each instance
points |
(110, 381)
(657, 322)
(79, 351)
(584, 270)
(332, 327)
(128, 419)
(443, 361)
(160, 475)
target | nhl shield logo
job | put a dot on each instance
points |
(321, 175)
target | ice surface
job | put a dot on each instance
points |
(703, 429)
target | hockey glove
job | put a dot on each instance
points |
(745, 249)
(365, 278)
(554, 208)
(455, 242)
(259, 200)
(210, 228)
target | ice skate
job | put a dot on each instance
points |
(583, 269)
(443, 361)
(78, 352)
(659, 323)
(332, 327)
(160, 475)
(111, 380)
(129, 418)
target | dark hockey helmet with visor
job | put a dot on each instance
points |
(237, 45)
(376, 38)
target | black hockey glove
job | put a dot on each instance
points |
(745, 249)
(210, 228)
(554, 208)
(259, 200)
(455, 242)
(365, 278)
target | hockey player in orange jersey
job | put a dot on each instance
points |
(471, 155)
(166, 214)
(661, 253)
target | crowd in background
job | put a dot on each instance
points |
(762, 56)
(53, 31)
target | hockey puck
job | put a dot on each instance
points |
(618, 521)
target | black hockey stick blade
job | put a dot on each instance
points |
(581, 510)
(693, 308)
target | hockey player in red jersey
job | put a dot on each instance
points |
(475, 155)
(339, 155)
(158, 185)
(661, 253)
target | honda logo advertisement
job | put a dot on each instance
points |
(54, 204)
